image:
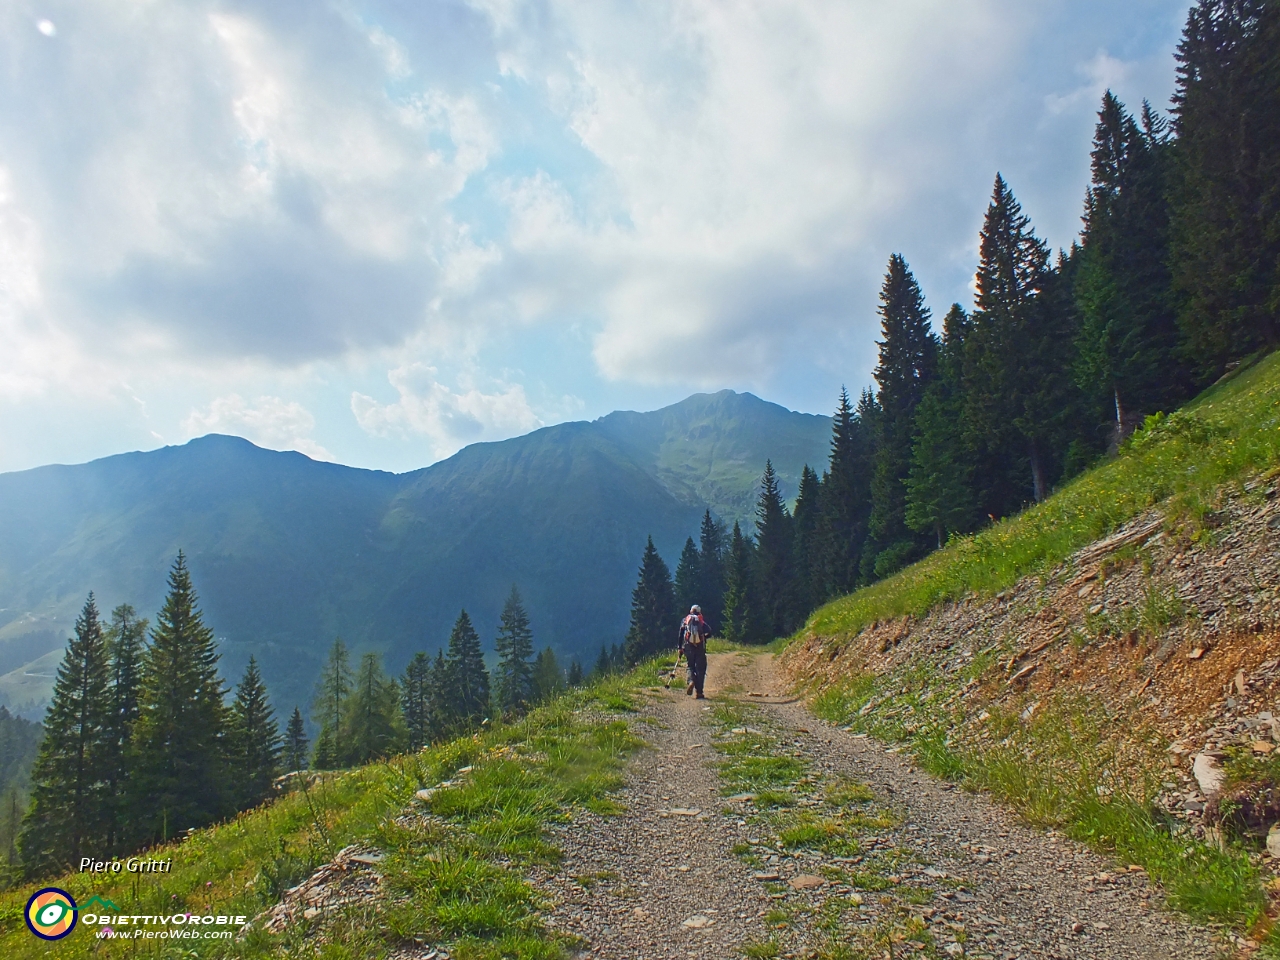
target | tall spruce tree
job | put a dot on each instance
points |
(940, 497)
(653, 609)
(1017, 387)
(373, 727)
(513, 683)
(846, 495)
(548, 678)
(441, 690)
(330, 706)
(741, 623)
(688, 583)
(71, 812)
(806, 523)
(415, 701)
(180, 780)
(908, 360)
(469, 694)
(1225, 225)
(775, 561)
(296, 746)
(126, 638)
(711, 570)
(1127, 362)
(253, 741)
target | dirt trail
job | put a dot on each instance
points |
(661, 880)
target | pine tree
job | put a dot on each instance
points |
(71, 812)
(126, 643)
(548, 678)
(253, 741)
(415, 701)
(908, 359)
(513, 684)
(1127, 362)
(688, 578)
(1225, 226)
(775, 563)
(330, 706)
(469, 696)
(295, 743)
(1017, 385)
(373, 727)
(846, 496)
(653, 609)
(180, 734)
(940, 498)
(806, 522)
(711, 571)
(741, 614)
(441, 690)
(575, 676)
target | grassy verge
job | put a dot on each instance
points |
(1063, 766)
(1227, 434)
(454, 869)
(830, 827)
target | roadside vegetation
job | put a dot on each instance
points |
(454, 864)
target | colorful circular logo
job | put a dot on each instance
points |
(51, 913)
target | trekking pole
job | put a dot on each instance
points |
(679, 654)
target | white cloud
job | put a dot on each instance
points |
(427, 408)
(268, 421)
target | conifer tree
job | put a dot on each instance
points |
(548, 678)
(295, 743)
(688, 578)
(514, 644)
(1017, 385)
(741, 615)
(253, 741)
(653, 609)
(940, 498)
(441, 687)
(806, 522)
(70, 812)
(469, 693)
(1226, 211)
(908, 358)
(415, 701)
(575, 677)
(775, 564)
(126, 643)
(180, 734)
(330, 706)
(373, 727)
(1127, 362)
(711, 570)
(846, 495)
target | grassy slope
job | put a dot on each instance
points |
(1050, 768)
(1227, 434)
(456, 877)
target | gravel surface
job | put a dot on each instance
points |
(661, 880)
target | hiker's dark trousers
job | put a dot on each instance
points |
(696, 658)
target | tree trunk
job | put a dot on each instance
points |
(1039, 481)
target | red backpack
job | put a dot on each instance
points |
(694, 629)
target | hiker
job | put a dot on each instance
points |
(693, 641)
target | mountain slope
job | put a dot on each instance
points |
(288, 553)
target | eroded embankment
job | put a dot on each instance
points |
(1146, 667)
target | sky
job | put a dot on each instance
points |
(375, 232)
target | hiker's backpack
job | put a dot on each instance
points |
(694, 628)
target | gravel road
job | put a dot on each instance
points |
(661, 879)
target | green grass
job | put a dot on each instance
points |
(1067, 768)
(454, 876)
(1182, 461)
